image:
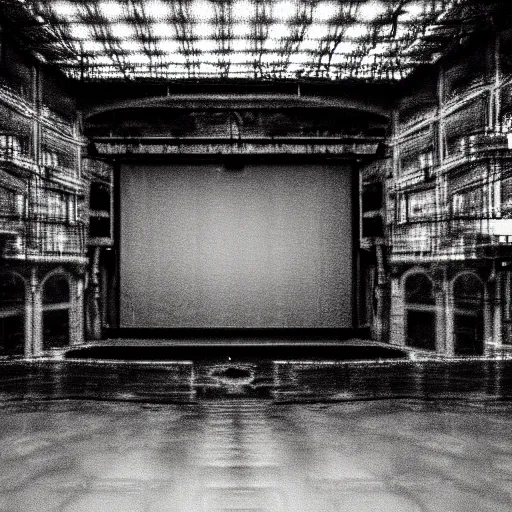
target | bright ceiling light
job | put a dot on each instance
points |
(243, 10)
(177, 58)
(270, 57)
(326, 11)
(309, 44)
(285, 10)
(242, 30)
(241, 57)
(138, 58)
(317, 31)
(242, 45)
(346, 47)
(204, 30)
(339, 58)
(110, 10)
(168, 45)
(131, 46)
(299, 58)
(202, 10)
(162, 30)
(209, 69)
(79, 31)
(413, 11)
(371, 10)
(206, 45)
(65, 10)
(278, 31)
(101, 59)
(122, 30)
(93, 46)
(356, 31)
(209, 58)
(156, 10)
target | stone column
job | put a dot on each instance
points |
(497, 320)
(397, 313)
(79, 312)
(489, 294)
(95, 295)
(36, 293)
(379, 320)
(29, 318)
(76, 310)
(444, 312)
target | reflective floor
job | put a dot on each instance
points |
(256, 435)
(255, 455)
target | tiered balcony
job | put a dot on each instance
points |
(477, 147)
(412, 241)
(18, 161)
(56, 123)
(12, 99)
(42, 240)
(50, 241)
(12, 236)
(449, 240)
(65, 176)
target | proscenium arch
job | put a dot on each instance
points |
(420, 316)
(468, 300)
(13, 299)
(233, 101)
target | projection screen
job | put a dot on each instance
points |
(268, 246)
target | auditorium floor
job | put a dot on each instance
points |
(255, 455)
(382, 435)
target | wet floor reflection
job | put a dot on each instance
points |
(256, 435)
(243, 454)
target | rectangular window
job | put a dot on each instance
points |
(421, 205)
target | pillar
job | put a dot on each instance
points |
(79, 312)
(95, 303)
(444, 313)
(36, 293)
(397, 314)
(497, 320)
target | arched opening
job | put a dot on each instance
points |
(420, 312)
(468, 318)
(12, 315)
(56, 306)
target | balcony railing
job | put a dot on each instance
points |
(13, 99)
(42, 240)
(20, 160)
(66, 176)
(56, 123)
(452, 239)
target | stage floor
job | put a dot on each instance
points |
(233, 349)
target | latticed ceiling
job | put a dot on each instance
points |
(262, 39)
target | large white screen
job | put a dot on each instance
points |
(270, 246)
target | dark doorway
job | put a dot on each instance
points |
(12, 315)
(468, 321)
(420, 312)
(56, 306)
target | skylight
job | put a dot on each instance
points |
(262, 39)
